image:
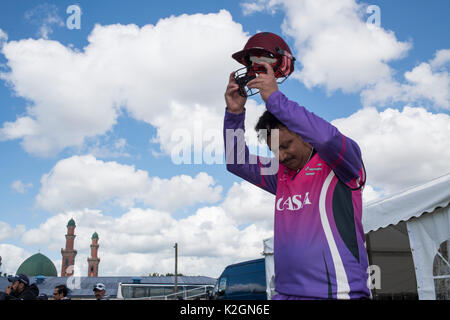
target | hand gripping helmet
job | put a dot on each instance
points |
(263, 46)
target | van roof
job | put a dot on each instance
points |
(245, 263)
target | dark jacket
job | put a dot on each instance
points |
(29, 293)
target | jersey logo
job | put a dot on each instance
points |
(312, 171)
(293, 203)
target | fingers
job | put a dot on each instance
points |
(231, 92)
(268, 67)
(252, 84)
(255, 83)
(232, 87)
(232, 80)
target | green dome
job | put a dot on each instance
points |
(38, 265)
(95, 236)
(71, 223)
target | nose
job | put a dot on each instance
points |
(282, 156)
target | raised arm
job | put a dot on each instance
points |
(238, 158)
(341, 153)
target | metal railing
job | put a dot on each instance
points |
(191, 294)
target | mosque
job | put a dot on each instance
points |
(40, 265)
(42, 271)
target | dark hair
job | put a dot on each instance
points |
(42, 296)
(62, 289)
(267, 122)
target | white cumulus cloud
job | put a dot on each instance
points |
(21, 187)
(45, 16)
(400, 148)
(85, 182)
(334, 45)
(429, 81)
(12, 257)
(146, 70)
(339, 49)
(8, 232)
(247, 203)
(3, 37)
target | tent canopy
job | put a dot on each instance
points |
(406, 204)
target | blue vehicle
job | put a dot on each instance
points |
(242, 281)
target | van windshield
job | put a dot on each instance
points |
(222, 284)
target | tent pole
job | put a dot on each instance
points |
(369, 255)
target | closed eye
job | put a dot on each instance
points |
(285, 145)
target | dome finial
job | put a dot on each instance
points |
(71, 223)
(95, 236)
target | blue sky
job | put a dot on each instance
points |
(391, 96)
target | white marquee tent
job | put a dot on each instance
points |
(407, 231)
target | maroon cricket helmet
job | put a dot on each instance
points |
(267, 44)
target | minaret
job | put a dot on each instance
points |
(94, 260)
(68, 254)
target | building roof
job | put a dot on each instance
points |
(37, 265)
(95, 235)
(86, 284)
(402, 206)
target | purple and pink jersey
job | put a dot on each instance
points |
(319, 244)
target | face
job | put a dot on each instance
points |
(56, 295)
(17, 287)
(293, 152)
(99, 294)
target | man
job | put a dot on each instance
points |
(319, 250)
(20, 289)
(100, 291)
(60, 292)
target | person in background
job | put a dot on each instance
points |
(100, 292)
(60, 292)
(20, 288)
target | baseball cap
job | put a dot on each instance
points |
(20, 277)
(99, 286)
